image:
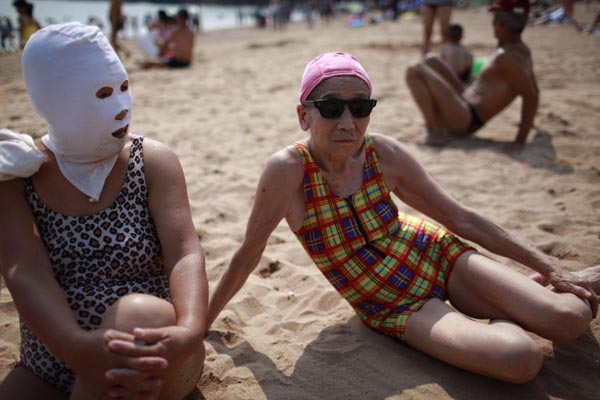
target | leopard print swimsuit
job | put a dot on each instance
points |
(97, 259)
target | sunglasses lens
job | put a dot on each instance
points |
(361, 108)
(334, 108)
(330, 108)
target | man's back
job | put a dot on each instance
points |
(181, 43)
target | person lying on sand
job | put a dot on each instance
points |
(451, 110)
(97, 237)
(397, 271)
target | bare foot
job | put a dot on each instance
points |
(433, 140)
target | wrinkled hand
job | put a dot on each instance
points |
(171, 343)
(513, 147)
(92, 358)
(565, 281)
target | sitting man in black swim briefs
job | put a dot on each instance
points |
(452, 110)
(177, 51)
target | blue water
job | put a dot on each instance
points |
(49, 11)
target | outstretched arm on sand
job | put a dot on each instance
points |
(279, 182)
(413, 185)
(525, 85)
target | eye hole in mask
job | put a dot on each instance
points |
(107, 91)
(104, 92)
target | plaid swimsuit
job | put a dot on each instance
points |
(386, 264)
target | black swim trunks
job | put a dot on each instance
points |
(465, 77)
(476, 121)
(174, 63)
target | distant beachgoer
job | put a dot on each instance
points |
(594, 26)
(6, 34)
(334, 188)
(451, 110)
(95, 21)
(432, 9)
(569, 17)
(177, 51)
(197, 24)
(326, 10)
(28, 25)
(161, 28)
(97, 246)
(456, 55)
(117, 24)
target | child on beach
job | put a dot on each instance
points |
(458, 58)
(97, 245)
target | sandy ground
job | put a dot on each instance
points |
(288, 334)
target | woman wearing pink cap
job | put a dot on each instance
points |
(334, 190)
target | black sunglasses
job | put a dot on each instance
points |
(334, 108)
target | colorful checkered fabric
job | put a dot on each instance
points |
(385, 264)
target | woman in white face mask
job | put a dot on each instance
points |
(97, 245)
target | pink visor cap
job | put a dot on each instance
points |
(329, 65)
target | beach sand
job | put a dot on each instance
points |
(288, 334)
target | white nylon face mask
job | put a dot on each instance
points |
(64, 67)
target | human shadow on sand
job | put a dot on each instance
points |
(539, 152)
(355, 362)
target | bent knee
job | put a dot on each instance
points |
(139, 310)
(432, 59)
(523, 360)
(569, 319)
(412, 72)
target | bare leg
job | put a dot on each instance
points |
(500, 350)
(114, 36)
(152, 64)
(443, 110)
(22, 384)
(443, 14)
(438, 65)
(482, 288)
(428, 15)
(140, 310)
(435, 132)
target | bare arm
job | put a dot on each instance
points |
(184, 265)
(26, 269)
(526, 86)
(413, 185)
(274, 195)
(181, 249)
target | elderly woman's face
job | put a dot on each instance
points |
(342, 134)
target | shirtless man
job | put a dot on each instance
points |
(451, 110)
(176, 52)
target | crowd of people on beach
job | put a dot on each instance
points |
(99, 252)
(276, 14)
